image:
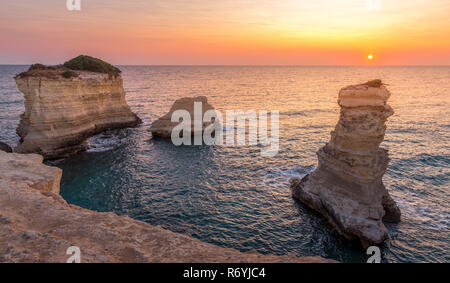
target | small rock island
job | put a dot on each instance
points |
(347, 186)
(66, 104)
(163, 126)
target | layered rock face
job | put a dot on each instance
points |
(163, 126)
(37, 225)
(61, 113)
(347, 186)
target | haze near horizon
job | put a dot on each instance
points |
(234, 32)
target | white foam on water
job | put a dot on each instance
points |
(103, 142)
(281, 176)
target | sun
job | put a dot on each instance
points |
(370, 57)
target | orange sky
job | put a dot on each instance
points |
(241, 32)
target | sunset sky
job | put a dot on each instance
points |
(227, 32)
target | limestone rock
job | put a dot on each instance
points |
(27, 169)
(347, 186)
(5, 147)
(62, 111)
(37, 225)
(163, 126)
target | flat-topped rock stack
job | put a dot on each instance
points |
(347, 186)
(66, 104)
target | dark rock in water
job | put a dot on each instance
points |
(5, 147)
(347, 186)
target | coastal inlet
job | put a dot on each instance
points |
(233, 197)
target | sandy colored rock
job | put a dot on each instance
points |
(61, 113)
(37, 225)
(163, 126)
(28, 170)
(347, 186)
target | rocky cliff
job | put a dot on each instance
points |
(347, 186)
(65, 107)
(37, 225)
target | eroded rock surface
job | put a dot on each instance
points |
(163, 126)
(37, 225)
(65, 107)
(347, 186)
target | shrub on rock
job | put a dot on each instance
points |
(88, 63)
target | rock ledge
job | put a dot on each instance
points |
(38, 225)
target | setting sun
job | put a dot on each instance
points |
(370, 57)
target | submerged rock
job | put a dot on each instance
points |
(347, 186)
(38, 225)
(64, 107)
(163, 126)
(5, 147)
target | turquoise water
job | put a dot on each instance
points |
(234, 197)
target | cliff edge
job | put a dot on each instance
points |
(38, 225)
(64, 107)
(347, 186)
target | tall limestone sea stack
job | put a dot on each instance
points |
(347, 186)
(66, 104)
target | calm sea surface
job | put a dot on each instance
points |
(231, 195)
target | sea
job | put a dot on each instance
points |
(231, 195)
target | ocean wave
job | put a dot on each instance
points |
(422, 159)
(423, 210)
(283, 175)
(305, 112)
(105, 141)
(228, 128)
(12, 102)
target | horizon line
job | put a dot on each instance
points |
(244, 65)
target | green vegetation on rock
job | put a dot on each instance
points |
(37, 66)
(88, 63)
(374, 83)
(69, 68)
(69, 74)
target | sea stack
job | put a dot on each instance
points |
(66, 104)
(163, 126)
(347, 186)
